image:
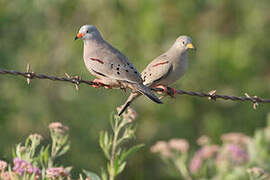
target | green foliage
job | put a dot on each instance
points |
(123, 130)
(91, 175)
(34, 161)
(233, 52)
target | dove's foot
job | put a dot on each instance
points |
(166, 91)
(99, 83)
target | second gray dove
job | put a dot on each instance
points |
(109, 65)
(166, 69)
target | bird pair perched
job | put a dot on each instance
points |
(114, 70)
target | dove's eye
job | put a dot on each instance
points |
(87, 31)
(183, 43)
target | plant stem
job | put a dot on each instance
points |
(182, 169)
(114, 146)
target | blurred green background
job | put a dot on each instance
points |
(233, 57)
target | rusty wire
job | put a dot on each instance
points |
(77, 80)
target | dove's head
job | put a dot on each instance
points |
(184, 43)
(88, 32)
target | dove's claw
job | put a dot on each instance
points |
(166, 90)
(171, 92)
(98, 83)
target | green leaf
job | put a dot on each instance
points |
(126, 155)
(106, 139)
(109, 169)
(101, 139)
(81, 177)
(105, 143)
(104, 175)
(91, 175)
(64, 150)
(13, 153)
(46, 154)
(116, 164)
(27, 141)
(18, 153)
(121, 168)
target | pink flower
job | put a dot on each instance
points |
(36, 137)
(162, 148)
(196, 162)
(180, 145)
(3, 165)
(7, 176)
(234, 154)
(209, 151)
(56, 172)
(235, 138)
(238, 154)
(58, 127)
(206, 152)
(21, 166)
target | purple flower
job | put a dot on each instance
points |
(238, 154)
(234, 153)
(206, 152)
(22, 166)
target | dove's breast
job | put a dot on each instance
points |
(179, 68)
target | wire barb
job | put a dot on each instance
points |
(77, 80)
(29, 74)
(254, 100)
(212, 95)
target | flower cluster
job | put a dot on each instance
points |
(57, 172)
(167, 149)
(237, 157)
(58, 127)
(206, 152)
(36, 162)
(3, 165)
(21, 166)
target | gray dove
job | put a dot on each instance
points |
(166, 69)
(109, 65)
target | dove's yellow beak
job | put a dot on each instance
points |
(190, 46)
(79, 35)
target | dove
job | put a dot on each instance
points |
(166, 69)
(109, 65)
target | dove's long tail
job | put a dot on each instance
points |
(130, 99)
(143, 90)
(147, 92)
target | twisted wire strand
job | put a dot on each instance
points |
(76, 80)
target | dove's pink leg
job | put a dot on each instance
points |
(100, 83)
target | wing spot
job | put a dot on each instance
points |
(118, 64)
(131, 67)
(117, 69)
(111, 66)
(126, 70)
(118, 73)
(135, 72)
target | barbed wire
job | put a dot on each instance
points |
(77, 81)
